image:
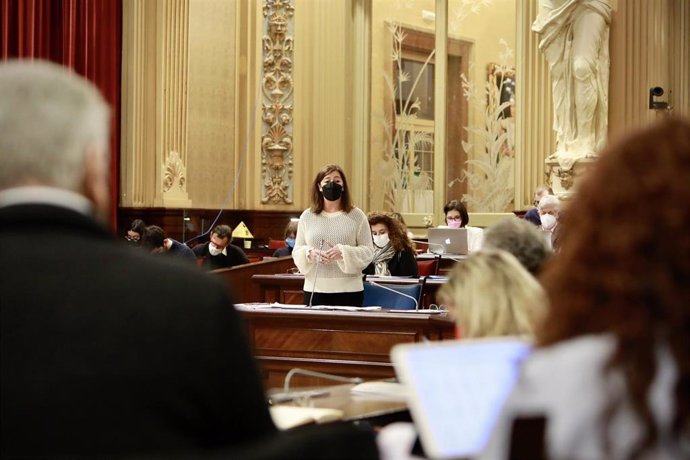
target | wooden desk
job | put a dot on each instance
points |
(284, 288)
(238, 279)
(351, 344)
(375, 409)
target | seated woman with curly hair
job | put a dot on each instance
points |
(393, 251)
(611, 370)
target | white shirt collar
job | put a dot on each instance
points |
(46, 195)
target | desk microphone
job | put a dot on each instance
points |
(337, 378)
(316, 274)
(416, 303)
(443, 248)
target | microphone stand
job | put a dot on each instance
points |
(323, 375)
(443, 248)
(316, 274)
(416, 303)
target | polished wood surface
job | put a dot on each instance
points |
(351, 344)
(238, 279)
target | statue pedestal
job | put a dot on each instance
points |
(564, 182)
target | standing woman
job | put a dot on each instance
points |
(393, 250)
(333, 243)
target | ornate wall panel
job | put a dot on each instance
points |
(276, 107)
(212, 98)
(138, 142)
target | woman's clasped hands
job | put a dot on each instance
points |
(325, 256)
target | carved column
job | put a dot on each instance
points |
(276, 107)
(172, 116)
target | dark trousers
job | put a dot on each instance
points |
(352, 299)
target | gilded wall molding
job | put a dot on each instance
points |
(277, 103)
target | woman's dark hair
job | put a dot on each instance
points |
(396, 232)
(458, 206)
(632, 283)
(138, 226)
(317, 196)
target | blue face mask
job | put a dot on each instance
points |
(290, 242)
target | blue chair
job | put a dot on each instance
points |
(378, 296)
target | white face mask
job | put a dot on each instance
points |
(548, 221)
(214, 251)
(381, 240)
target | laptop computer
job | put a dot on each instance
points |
(457, 389)
(447, 240)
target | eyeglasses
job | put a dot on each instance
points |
(454, 218)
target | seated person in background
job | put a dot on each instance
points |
(456, 216)
(549, 215)
(533, 214)
(156, 241)
(611, 371)
(290, 236)
(522, 240)
(394, 253)
(135, 232)
(490, 294)
(219, 253)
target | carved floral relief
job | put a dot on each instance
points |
(276, 108)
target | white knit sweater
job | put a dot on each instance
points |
(351, 233)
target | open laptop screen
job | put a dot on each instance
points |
(457, 389)
(448, 240)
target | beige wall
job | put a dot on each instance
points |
(220, 52)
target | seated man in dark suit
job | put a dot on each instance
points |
(533, 214)
(157, 242)
(219, 253)
(105, 350)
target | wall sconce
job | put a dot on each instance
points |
(654, 92)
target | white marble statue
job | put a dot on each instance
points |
(575, 41)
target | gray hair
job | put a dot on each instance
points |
(49, 118)
(549, 200)
(520, 238)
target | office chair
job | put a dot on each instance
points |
(427, 267)
(380, 296)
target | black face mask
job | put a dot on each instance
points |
(332, 191)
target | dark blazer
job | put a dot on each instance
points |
(403, 263)
(107, 350)
(236, 256)
(533, 216)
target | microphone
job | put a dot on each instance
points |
(323, 375)
(316, 274)
(443, 248)
(416, 303)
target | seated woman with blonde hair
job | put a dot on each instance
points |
(491, 294)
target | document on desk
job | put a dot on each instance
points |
(284, 306)
(381, 390)
(286, 417)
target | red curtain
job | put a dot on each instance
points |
(84, 35)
